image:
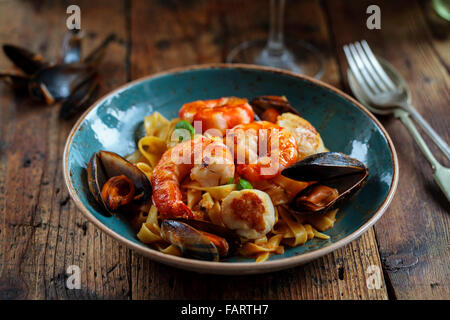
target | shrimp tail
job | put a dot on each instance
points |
(178, 210)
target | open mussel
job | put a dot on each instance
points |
(115, 182)
(337, 177)
(269, 107)
(199, 239)
(27, 61)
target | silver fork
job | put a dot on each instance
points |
(369, 82)
(381, 90)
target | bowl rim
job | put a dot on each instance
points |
(234, 267)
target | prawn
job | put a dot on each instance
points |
(261, 149)
(208, 162)
(220, 114)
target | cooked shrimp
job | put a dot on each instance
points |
(261, 149)
(208, 161)
(308, 139)
(220, 114)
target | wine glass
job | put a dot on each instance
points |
(297, 56)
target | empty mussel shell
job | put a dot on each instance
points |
(105, 165)
(81, 97)
(96, 56)
(192, 242)
(29, 62)
(15, 80)
(58, 82)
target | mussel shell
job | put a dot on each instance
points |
(104, 165)
(347, 187)
(324, 166)
(29, 62)
(189, 240)
(262, 103)
(59, 80)
(17, 81)
(96, 56)
(96, 179)
(81, 97)
(232, 238)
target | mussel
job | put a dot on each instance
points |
(337, 177)
(269, 107)
(58, 82)
(199, 239)
(74, 79)
(27, 61)
(82, 96)
(114, 182)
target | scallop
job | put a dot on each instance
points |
(249, 212)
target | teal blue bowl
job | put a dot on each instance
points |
(113, 123)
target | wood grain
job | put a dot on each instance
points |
(204, 31)
(413, 235)
(41, 231)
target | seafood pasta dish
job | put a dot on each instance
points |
(227, 177)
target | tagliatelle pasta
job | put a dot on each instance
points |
(218, 192)
(258, 212)
(152, 149)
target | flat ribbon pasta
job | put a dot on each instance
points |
(152, 149)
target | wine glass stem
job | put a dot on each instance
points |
(275, 43)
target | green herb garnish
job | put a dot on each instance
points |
(183, 124)
(244, 184)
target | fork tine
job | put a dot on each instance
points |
(379, 69)
(363, 70)
(362, 55)
(353, 67)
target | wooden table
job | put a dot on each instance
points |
(42, 233)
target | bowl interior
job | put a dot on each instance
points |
(115, 122)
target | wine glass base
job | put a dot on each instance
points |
(299, 57)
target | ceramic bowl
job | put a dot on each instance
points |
(345, 125)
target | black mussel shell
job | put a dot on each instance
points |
(58, 82)
(96, 56)
(29, 62)
(96, 178)
(189, 240)
(17, 81)
(232, 238)
(323, 166)
(104, 165)
(280, 104)
(81, 97)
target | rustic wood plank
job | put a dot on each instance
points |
(440, 32)
(42, 233)
(188, 32)
(413, 235)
